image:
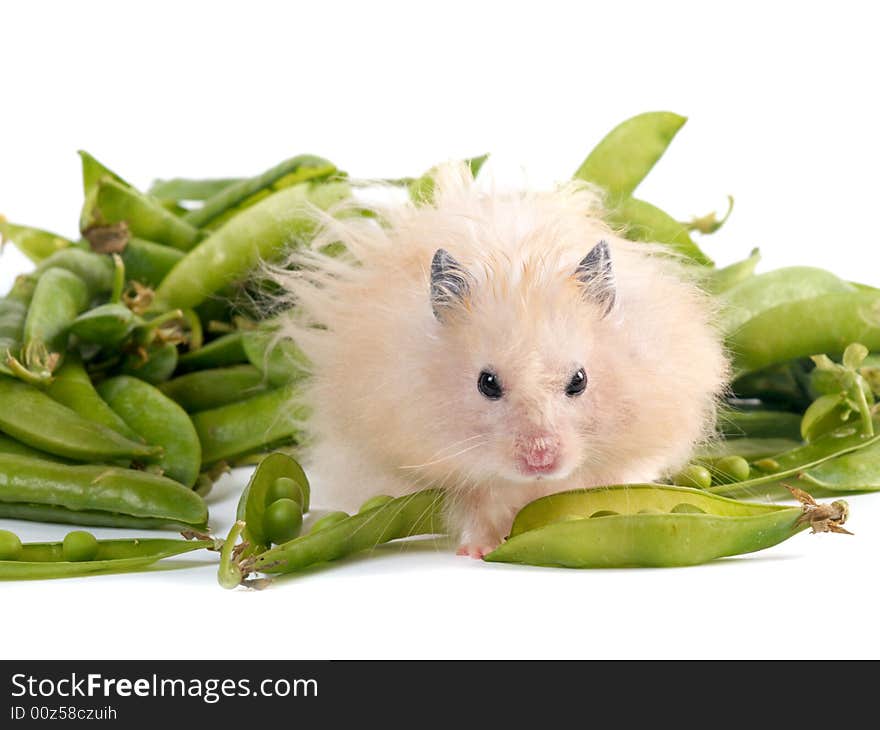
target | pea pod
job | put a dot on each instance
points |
(155, 366)
(32, 417)
(252, 505)
(108, 324)
(419, 513)
(110, 200)
(293, 171)
(803, 458)
(280, 359)
(857, 471)
(760, 293)
(225, 350)
(826, 323)
(40, 560)
(34, 243)
(147, 262)
(642, 221)
(206, 389)
(96, 271)
(158, 420)
(91, 518)
(59, 297)
(96, 488)
(73, 388)
(179, 189)
(722, 280)
(628, 152)
(647, 527)
(246, 426)
(260, 233)
(12, 317)
(9, 445)
(734, 423)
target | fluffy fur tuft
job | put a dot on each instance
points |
(393, 393)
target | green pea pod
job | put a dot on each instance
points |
(32, 417)
(181, 189)
(280, 359)
(648, 527)
(206, 389)
(98, 488)
(750, 449)
(40, 560)
(628, 152)
(789, 464)
(22, 290)
(420, 513)
(759, 293)
(252, 505)
(73, 388)
(224, 351)
(825, 414)
(148, 263)
(107, 324)
(645, 222)
(158, 420)
(58, 298)
(157, 368)
(722, 280)
(294, 171)
(95, 270)
(89, 518)
(259, 233)
(826, 323)
(246, 426)
(34, 243)
(736, 424)
(858, 471)
(12, 316)
(421, 189)
(9, 445)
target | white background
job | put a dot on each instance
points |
(783, 114)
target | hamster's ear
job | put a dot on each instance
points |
(595, 273)
(449, 283)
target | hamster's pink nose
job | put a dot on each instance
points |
(537, 453)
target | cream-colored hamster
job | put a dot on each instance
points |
(501, 347)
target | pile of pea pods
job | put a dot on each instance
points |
(138, 363)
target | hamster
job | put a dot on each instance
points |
(500, 346)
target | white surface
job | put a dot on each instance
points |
(783, 115)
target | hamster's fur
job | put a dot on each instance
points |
(396, 353)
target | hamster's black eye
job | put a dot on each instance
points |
(577, 384)
(489, 385)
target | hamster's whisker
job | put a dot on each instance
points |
(445, 458)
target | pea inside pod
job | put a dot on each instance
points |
(41, 560)
(656, 526)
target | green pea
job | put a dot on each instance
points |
(685, 508)
(79, 546)
(693, 475)
(731, 469)
(282, 520)
(284, 488)
(374, 502)
(328, 520)
(10, 545)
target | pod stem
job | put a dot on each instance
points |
(821, 517)
(229, 574)
(147, 331)
(118, 279)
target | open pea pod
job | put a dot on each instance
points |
(252, 505)
(649, 525)
(45, 559)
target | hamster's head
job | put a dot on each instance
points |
(521, 350)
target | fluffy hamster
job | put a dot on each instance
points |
(501, 347)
